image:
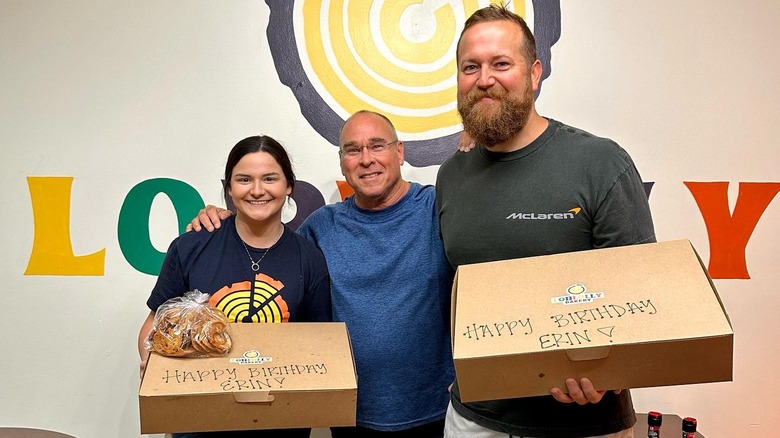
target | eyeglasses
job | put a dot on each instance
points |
(352, 152)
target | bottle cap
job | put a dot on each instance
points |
(654, 418)
(689, 424)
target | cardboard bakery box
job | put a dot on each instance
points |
(627, 317)
(275, 376)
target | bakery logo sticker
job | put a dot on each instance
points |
(575, 294)
(251, 357)
(393, 57)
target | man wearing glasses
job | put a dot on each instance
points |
(390, 282)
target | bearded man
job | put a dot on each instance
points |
(526, 163)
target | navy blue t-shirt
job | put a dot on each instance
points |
(292, 283)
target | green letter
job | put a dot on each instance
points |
(133, 232)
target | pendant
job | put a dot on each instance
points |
(255, 266)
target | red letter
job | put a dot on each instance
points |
(729, 234)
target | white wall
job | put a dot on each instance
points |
(114, 93)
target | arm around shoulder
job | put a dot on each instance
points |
(210, 218)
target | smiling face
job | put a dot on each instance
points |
(375, 176)
(496, 81)
(258, 189)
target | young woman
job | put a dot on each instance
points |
(253, 246)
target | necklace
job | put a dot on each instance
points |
(256, 264)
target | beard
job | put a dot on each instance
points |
(496, 122)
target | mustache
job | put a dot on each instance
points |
(496, 93)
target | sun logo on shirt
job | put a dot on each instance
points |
(258, 301)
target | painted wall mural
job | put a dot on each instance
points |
(52, 253)
(393, 57)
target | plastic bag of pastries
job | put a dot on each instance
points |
(188, 326)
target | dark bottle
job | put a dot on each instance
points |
(689, 427)
(654, 424)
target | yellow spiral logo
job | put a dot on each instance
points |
(393, 57)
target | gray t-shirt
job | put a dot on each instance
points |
(566, 191)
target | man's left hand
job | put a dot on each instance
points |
(582, 392)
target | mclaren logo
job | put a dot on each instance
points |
(546, 216)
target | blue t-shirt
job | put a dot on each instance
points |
(391, 284)
(292, 283)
